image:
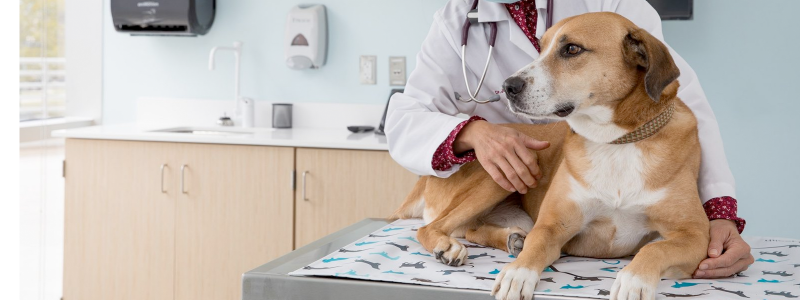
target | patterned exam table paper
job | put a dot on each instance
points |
(393, 254)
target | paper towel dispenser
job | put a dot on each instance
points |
(163, 17)
(306, 41)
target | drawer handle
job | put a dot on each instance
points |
(162, 178)
(304, 185)
(183, 167)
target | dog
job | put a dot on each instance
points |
(620, 176)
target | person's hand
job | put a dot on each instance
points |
(503, 153)
(728, 253)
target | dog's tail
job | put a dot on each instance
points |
(414, 204)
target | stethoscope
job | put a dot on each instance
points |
(472, 17)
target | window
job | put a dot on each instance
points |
(42, 82)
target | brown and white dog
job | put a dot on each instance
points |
(598, 197)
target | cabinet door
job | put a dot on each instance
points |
(234, 214)
(343, 187)
(119, 225)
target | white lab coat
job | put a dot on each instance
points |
(420, 119)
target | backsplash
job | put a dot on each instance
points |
(177, 67)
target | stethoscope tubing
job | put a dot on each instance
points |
(480, 83)
(492, 40)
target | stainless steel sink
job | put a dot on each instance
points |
(206, 131)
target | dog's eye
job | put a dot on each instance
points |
(572, 50)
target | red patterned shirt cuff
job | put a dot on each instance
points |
(444, 158)
(724, 208)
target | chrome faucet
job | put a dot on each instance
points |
(237, 51)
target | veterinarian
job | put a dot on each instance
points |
(426, 137)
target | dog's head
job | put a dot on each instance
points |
(589, 65)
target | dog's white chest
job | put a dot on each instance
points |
(615, 190)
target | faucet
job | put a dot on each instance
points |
(237, 50)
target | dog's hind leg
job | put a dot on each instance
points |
(472, 203)
(414, 204)
(510, 239)
(505, 227)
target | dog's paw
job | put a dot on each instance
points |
(629, 286)
(515, 283)
(515, 243)
(450, 251)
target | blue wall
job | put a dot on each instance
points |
(178, 66)
(745, 55)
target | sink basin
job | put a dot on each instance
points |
(207, 130)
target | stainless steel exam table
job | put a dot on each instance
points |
(270, 281)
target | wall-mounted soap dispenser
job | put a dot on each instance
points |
(306, 41)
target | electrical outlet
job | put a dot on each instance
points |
(397, 70)
(368, 65)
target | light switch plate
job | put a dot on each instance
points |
(368, 65)
(397, 70)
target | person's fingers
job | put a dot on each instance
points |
(718, 237)
(736, 250)
(519, 160)
(723, 261)
(736, 267)
(535, 144)
(498, 177)
(522, 171)
(535, 170)
(530, 160)
(511, 175)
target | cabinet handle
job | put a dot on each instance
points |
(183, 167)
(162, 178)
(304, 185)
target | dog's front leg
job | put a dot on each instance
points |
(674, 256)
(559, 221)
(677, 256)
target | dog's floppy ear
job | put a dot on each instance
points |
(644, 50)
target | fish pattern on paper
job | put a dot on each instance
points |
(393, 254)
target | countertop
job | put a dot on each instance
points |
(332, 138)
(270, 281)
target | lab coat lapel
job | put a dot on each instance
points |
(497, 12)
(541, 25)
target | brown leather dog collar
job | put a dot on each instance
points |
(648, 129)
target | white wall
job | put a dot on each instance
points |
(178, 66)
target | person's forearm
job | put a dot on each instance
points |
(446, 156)
(465, 138)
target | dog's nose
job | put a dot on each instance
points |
(513, 86)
